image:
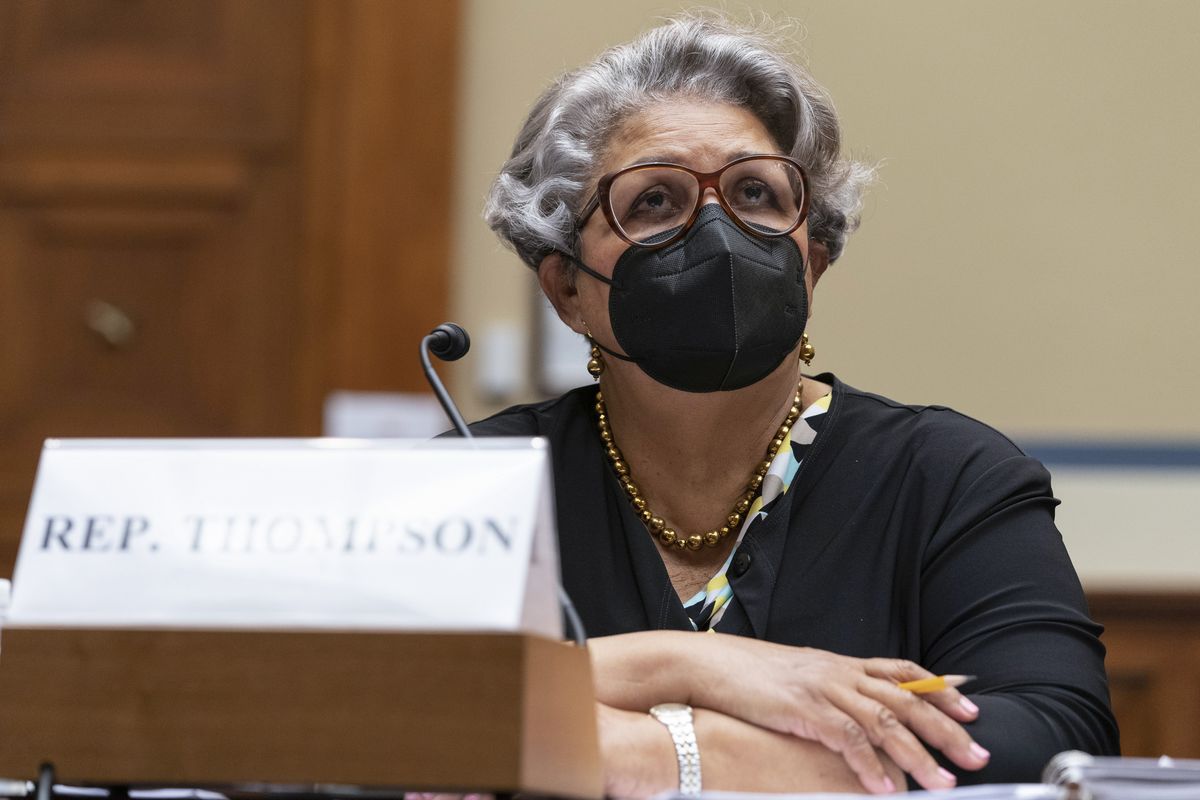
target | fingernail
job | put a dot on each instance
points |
(979, 752)
(947, 776)
(889, 785)
(968, 706)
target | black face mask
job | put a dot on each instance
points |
(718, 310)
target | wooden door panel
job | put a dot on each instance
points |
(111, 323)
(148, 71)
(207, 281)
(168, 316)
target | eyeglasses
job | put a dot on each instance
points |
(653, 205)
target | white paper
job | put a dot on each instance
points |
(378, 415)
(323, 533)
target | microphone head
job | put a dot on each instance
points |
(449, 342)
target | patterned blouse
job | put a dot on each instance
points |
(710, 603)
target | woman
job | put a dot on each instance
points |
(680, 199)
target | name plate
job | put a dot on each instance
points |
(286, 534)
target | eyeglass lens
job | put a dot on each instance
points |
(648, 201)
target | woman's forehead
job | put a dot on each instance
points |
(700, 135)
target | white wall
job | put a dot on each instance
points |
(1131, 528)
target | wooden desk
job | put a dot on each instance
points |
(498, 712)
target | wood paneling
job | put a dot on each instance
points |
(150, 73)
(212, 213)
(379, 160)
(1153, 663)
(301, 708)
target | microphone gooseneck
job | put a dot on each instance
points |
(448, 342)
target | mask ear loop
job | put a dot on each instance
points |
(588, 269)
(613, 354)
(587, 331)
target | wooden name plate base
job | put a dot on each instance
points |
(447, 711)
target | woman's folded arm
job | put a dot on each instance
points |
(1000, 600)
(639, 758)
(848, 706)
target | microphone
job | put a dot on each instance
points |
(449, 342)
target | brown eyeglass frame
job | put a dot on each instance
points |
(706, 180)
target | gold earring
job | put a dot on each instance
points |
(807, 351)
(595, 365)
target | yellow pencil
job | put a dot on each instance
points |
(935, 684)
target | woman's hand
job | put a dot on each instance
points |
(639, 758)
(636, 753)
(851, 706)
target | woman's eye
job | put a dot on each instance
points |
(755, 193)
(654, 202)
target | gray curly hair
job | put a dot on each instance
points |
(534, 203)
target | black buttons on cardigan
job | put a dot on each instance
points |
(740, 564)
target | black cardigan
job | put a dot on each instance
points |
(909, 532)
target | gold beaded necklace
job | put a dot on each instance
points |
(658, 527)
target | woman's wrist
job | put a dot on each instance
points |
(639, 757)
(635, 671)
(637, 753)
